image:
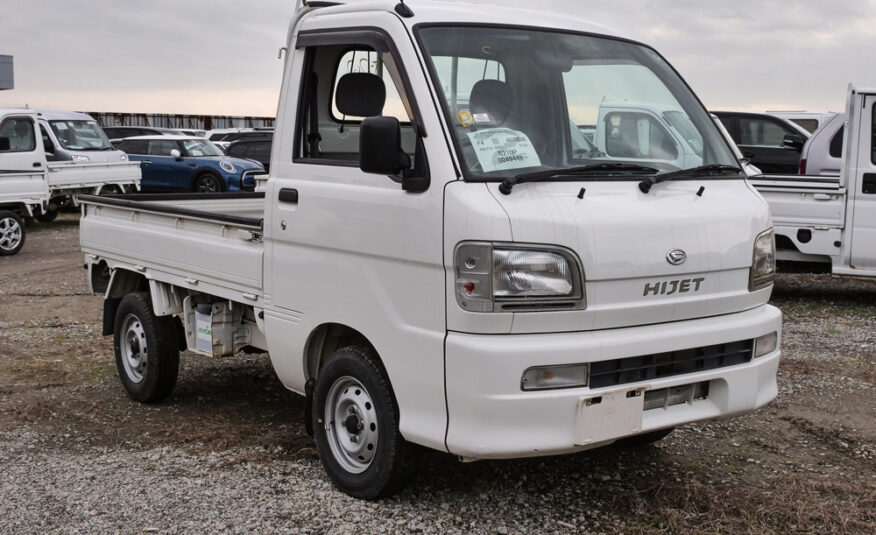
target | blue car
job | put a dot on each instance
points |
(186, 163)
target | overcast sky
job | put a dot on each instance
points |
(220, 56)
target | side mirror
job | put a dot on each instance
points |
(175, 154)
(380, 152)
(4, 143)
(794, 141)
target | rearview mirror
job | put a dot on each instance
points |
(175, 154)
(794, 141)
(4, 143)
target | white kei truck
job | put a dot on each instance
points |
(30, 184)
(449, 272)
(831, 220)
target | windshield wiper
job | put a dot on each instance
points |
(508, 184)
(713, 169)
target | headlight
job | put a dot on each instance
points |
(763, 264)
(227, 166)
(497, 277)
(80, 158)
(123, 157)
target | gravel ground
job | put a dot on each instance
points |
(228, 452)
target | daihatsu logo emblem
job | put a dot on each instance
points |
(676, 257)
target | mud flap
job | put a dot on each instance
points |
(609, 415)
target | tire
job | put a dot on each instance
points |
(46, 217)
(12, 233)
(364, 454)
(208, 183)
(645, 439)
(148, 374)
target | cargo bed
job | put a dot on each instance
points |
(210, 243)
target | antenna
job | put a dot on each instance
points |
(402, 9)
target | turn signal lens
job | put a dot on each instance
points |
(554, 377)
(766, 344)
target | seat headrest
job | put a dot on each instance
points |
(493, 98)
(360, 94)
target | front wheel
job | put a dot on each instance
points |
(208, 183)
(147, 356)
(355, 421)
(11, 233)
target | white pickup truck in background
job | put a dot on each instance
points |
(451, 273)
(826, 219)
(32, 186)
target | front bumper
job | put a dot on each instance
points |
(490, 417)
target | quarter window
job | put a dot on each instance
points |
(17, 135)
(836, 143)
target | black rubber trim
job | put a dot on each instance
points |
(134, 202)
(794, 178)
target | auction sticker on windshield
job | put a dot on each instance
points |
(500, 149)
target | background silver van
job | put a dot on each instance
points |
(73, 136)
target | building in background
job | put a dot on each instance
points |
(7, 81)
(180, 121)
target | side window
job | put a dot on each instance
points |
(17, 135)
(260, 151)
(761, 132)
(636, 135)
(370, 62)
(343, 84)
(238, 151)
(873, 136)
(836, 143)
(161, 147)
(47, 141)
(811, 125)
(134, 146)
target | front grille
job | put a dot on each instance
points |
(657, 366)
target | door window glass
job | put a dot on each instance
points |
(810, 125)
(367, 61)
(134, 146)
(761, 133)
(260, 151)
(18, 134)
(161, 147)
(636, 135)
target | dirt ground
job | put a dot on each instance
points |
(806, 463)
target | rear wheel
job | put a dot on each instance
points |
(11, 233)
(355, 422)
(208, 183)
(46, 217)
(147, 356)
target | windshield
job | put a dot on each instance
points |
(524, 101)
(200, 147)
(80, 135)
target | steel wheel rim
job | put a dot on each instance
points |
(133, 348)
(208, 184)
(10, 234)
(351, 424)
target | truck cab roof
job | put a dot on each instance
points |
(459, 12)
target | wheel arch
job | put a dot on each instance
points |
(327, 338)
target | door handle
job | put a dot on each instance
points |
(822, 197)
(288, 195)
(869, 186)
(145, 162)
(37, 164)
